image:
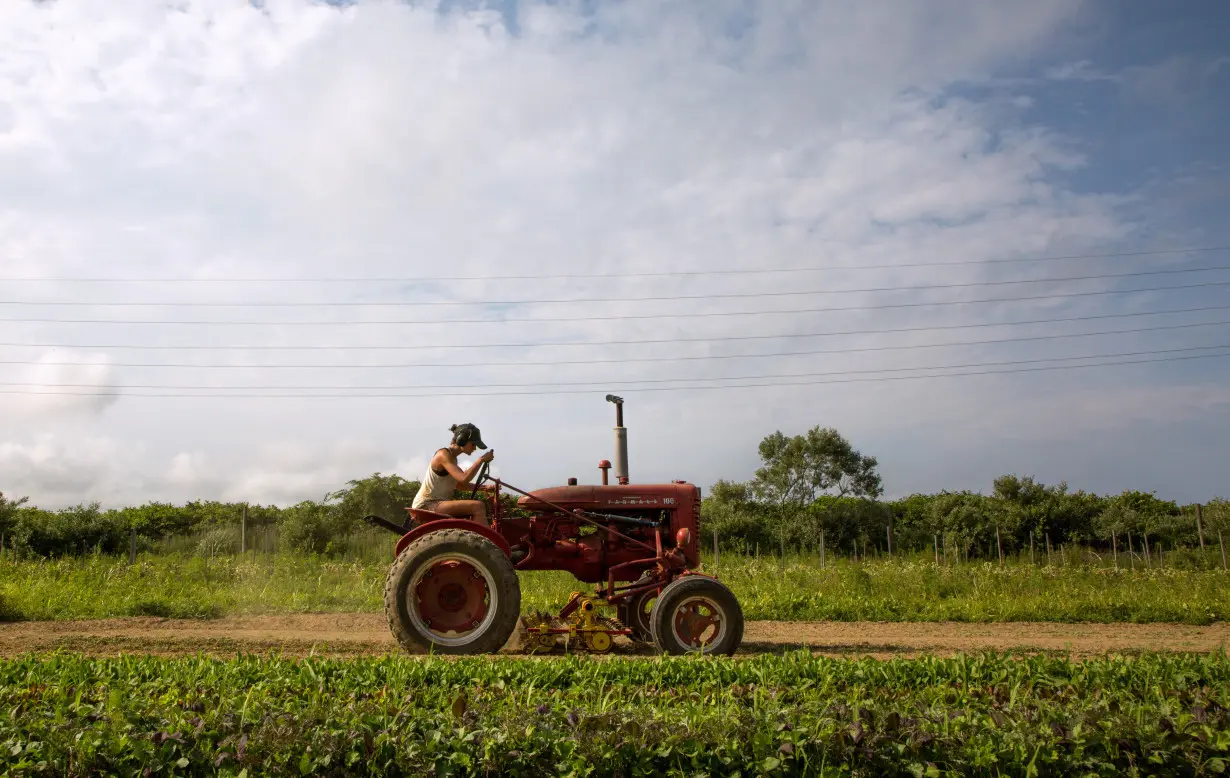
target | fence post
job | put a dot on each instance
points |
(132, 547)
(715, 548)
(1048, 549)
(1114, 541)
(1200, 528)
(999, 546)
(937, 550)
(822, 559)
(1223, 550)
(890, 537)
(243, 530)
(1131, 552)
(1031, 547)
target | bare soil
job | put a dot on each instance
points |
(367, 634)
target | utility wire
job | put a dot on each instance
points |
(656, 274)
(558, 301)
(387, 322)
(715, 339)
(875, 379)
(830, 333)
(705, 357)
(630, 381)
(510, 319)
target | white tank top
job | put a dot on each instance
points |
(435, 487)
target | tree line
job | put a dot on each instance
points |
(314, 526)
(816, 488)
(810, 489)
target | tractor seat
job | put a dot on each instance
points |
(420, 516)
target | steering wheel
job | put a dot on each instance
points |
(481, 479)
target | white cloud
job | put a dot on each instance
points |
(1083, 70)
(61, 471)
(216, 140)
(87, 385)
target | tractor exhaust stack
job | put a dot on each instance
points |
(621, 440)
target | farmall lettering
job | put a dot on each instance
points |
(637, 501)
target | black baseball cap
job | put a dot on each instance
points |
(468, 433)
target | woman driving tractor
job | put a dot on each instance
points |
(444, 477)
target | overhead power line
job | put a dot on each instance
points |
(538, 319)
(387, 322)
(705, 357)
(632, 381)
(561, 301)
(641, 274)
(775, 384)
(828, 333)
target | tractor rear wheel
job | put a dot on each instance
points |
(697, 615)
(452, 592)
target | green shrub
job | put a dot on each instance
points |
(310, 527)
(217, 541)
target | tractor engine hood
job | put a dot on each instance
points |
(611, 497)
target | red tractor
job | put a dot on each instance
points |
(453, 588)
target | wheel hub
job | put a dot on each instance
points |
(698, 622)
(452, 596)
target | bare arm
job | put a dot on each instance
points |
(464, 477)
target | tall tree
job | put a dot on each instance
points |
(797, 470)
(8, 512)
(382, 495)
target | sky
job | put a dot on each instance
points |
(251, 251)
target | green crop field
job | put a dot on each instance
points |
(789, 715)
(794, 588)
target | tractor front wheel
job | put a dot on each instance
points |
(697, 615)
(452, 592)
(635, 615)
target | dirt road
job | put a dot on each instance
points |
(367, 634)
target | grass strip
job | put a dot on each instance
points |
(793, 589)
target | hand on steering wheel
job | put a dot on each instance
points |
(482, 478)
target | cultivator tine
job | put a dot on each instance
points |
(581, 627)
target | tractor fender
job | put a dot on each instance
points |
(462, 524)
